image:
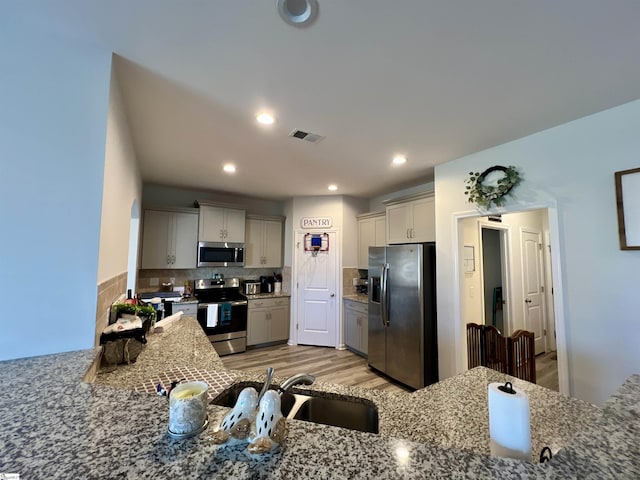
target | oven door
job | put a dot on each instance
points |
(225, 324)
(220, 254)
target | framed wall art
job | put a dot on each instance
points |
(628, 201)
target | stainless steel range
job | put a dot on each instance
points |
(222, 314)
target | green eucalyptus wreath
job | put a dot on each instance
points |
(484, 195)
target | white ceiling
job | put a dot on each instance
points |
(435, 80)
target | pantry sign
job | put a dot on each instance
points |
(316, 222)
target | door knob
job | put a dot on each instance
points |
(333, 295)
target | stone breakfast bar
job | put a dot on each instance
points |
(59, 420)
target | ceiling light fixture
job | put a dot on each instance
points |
(399, 160)
(333, 187)
(265, 118)
(298, 13)
(229, 168)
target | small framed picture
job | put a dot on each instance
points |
(628, 201)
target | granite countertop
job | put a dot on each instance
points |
(357, 297)
(54, 425)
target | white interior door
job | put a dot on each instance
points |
(534, 316)
(317, 311)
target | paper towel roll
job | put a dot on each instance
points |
(509, 423)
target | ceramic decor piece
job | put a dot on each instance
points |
(270, 427)
(236, 425)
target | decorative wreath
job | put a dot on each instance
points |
(484, 195)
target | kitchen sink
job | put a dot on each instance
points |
(339, 413)
(315, 407)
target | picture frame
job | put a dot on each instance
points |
(628, 203)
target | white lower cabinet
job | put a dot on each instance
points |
(267, 320)
(356, 326)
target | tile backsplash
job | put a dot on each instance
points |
(108, 292)
(146, 278)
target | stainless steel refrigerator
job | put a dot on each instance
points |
(403, 340)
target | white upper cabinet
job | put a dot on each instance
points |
(371, 233)
(169, 239)
(263, 245)
(412, 221)
(221, 224)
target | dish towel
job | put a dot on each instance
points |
(212, 315)
(225, 312)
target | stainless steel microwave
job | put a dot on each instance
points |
(220, 254)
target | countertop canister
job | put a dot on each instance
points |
(188, 408)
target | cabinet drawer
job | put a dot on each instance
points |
(188, 309)
(269, 302)
(356, 306)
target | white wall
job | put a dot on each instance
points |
(573, 166)
(351, 207)
(122, 187)
(161, 195)
(377, 203)
(54, 98)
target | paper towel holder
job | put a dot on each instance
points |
(545, 455)
(507, 388)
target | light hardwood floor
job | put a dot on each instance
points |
(345, 367)
(547, 371)
(325, 363)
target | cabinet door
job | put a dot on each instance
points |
(257, 327)
(185, 245)
(211, 226)
(380, 232)
(398, 223)
(351, 332)
(253, 244)
(234, 225)
(366, 238)
(363, 324)
(272, 246)
(424, 220)
(279, 323)
(156, 239)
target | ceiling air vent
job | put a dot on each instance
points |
(308, 137)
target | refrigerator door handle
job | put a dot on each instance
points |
(384, 311)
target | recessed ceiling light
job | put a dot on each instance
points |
(399, 160)
(333, 187)
(265, 118)
(229, 168)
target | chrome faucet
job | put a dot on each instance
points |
(298, 379)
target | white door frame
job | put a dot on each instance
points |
(505, 252)
(293, 328)
(549, 291)
(458, 255)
